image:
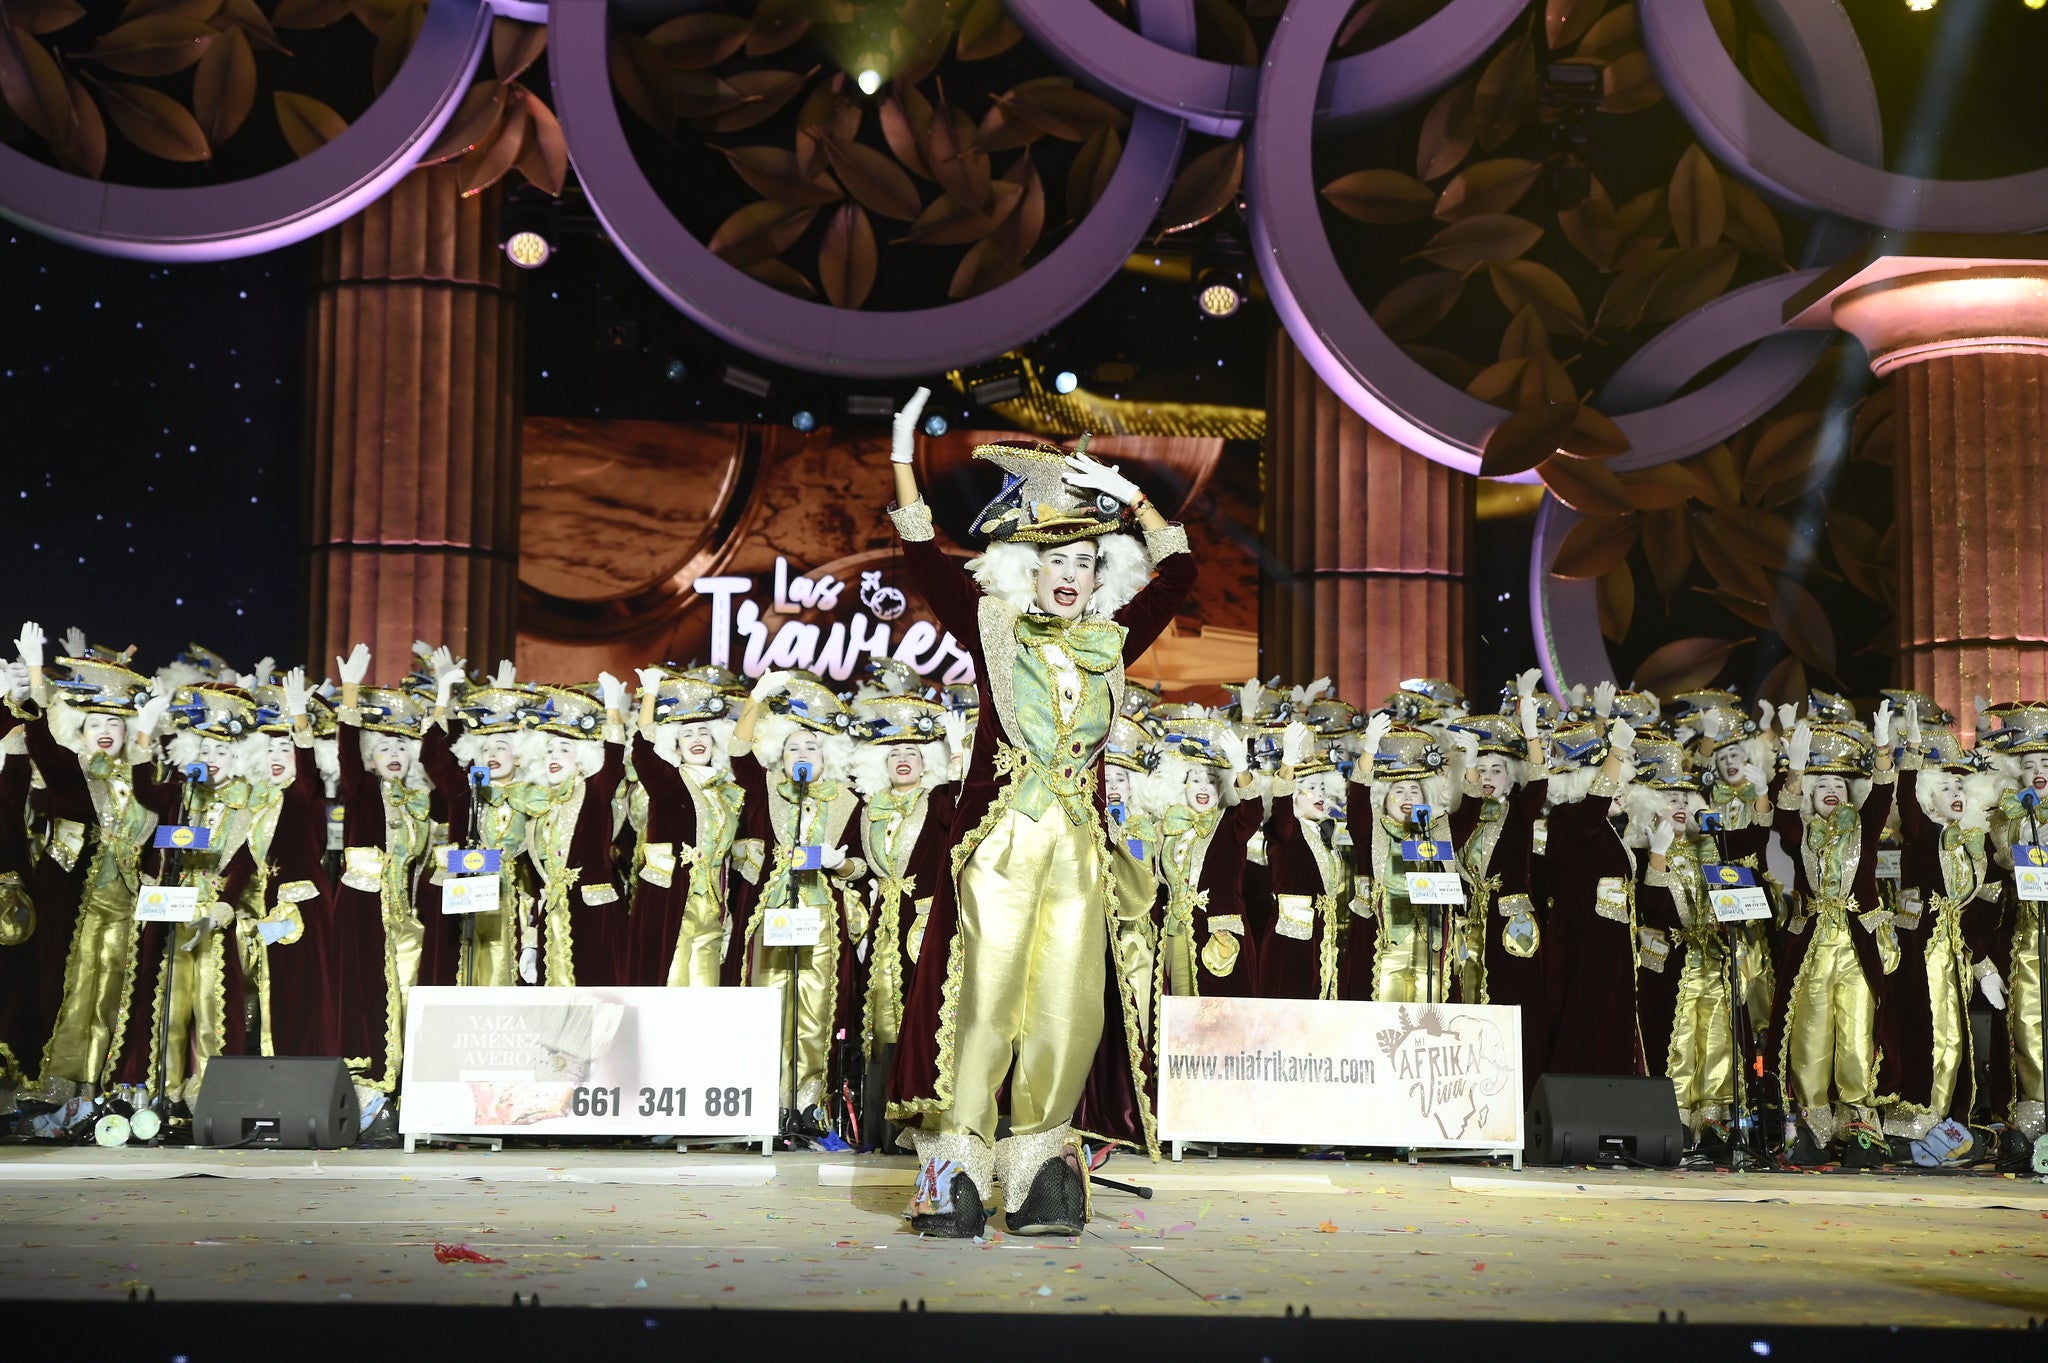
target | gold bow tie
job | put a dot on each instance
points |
(1096, 645)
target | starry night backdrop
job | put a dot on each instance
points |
(150, 441)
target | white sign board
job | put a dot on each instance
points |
(1738, 903)
(167, 904)
(469, 894)
(619, 1062)
(1310, 1072)
(2030, 882)
(797, 927)
(1435, 887)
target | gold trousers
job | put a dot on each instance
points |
(1410, 935)
(2023, 1019)
(1948, 984)
(1033, 937)
(1830, 1030)
(817, 1000)
(700, 945)
(492, 955)
(198, 1015)
(99, 973)
(1702, 1059)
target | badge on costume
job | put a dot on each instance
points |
(167, 903)
(337, 827)
(181, 837)
(809, 857)
(472, 861)
(2030, 871)
(1888, 863)
(1539, 837)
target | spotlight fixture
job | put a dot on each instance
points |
(528, 225)
(804, 420)
(1220, 291)
(746, 380)
(675, 371)
(936, 424)
(1066, 381)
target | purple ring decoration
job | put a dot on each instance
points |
(278, 207)
(817, 336)
(1218, 97)
(1757, 143)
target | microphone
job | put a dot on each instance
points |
(480, 775)
(1420, 816)
(801, 773)
(2029, 798)
(1710, 822)
(1116, 810)
(196, 771)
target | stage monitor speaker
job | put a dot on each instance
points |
(286, 1101)
(1604, 1119)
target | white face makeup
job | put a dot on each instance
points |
(501, 757)
(1678, 809)
(279, 762)
(105, 734)
(1204, 791)
(392, 756)
(1494, 775)
(803, 746)
(1116, 784)
(694, 744)
(1728, 763)
(560, 763)
(1066, 577)
(1401, 799)
(1312, 797)
(1830, 793)
(219, 759)
(905, 765)
(1947, 799)
(2034, 772)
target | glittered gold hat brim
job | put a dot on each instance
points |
(1128, 761)
(1064, 529)
(394, 728)
(1313, 767)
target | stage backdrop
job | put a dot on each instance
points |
(756, 546)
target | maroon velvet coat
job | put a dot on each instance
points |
(598, 931)
(1222, 879)
(1905, 1003)
(1511, 980)
(1289, 967)
(1109, 1104)
(649, 942)
(310, 989)
(1589, 961)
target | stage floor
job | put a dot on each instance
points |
(643, 1228)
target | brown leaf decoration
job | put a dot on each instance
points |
(847, 257)
(488, 164)
(760, 231)
(763, 94)
(1505, 98)
(375, 14)
(1594, 435)
(906, 119)
(1617, 601)
(515, 46)
(202, 10)
(1525, 440)
(1629, 85)
(1525, 336)
(775, 175)
(1783, 450)
(476, 118)
(310, 14)
(1595, 545)
(395, 42)
(154, 122)
(1413, 306)
(33, 85)
(156, 45)
(1803, 624)
(1482, 239)
(1380, 197)
(46, 16)
(1500, 383)
(1725, 564)
(984, 267)
(1858, 553)
(1524, 283)
(1089, 175)
(1628, 294)
(1590, 227)
(1654, 489)
(1785, 684)
(1698, 276)
(1685, 665)
(1719, 478)
(1447, 133)
(1587, 486)
(1544, 382)
(1449, 366)
(1761, 536)
(1061, 109)
(778, 24)
(224, 86)
(1698, 208)
(1741, 607)
(1487, 187)
(827, 115)
(1751, 224)
(85, 149)
(1615, 34)
(701, 95)
(1640, 226)
(1566, 21)
(1222, 35)
(1667, 546)
(641, 76)
(544, 160)
(948, 222)
(781, 275)
(986, 30)
(875, 181)
(1019, 233)
(698, 42)
(961, 170)
(1000, 131)
(1205, 187)
(244, 15)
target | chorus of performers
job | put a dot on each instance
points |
(1009, 876)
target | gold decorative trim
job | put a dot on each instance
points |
(1166, 541)
(913, 522)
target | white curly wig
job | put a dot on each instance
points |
(415, 775)
(67, 726)
(1571, 786)
(533, 767)
(1645, 806)
(526, 748)
(772, 733)
(1859, 791)
(1980, 795)
(668, 741)
(1160, 789)
(1009, 571)
(870, 766)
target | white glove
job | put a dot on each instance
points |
(1661, 836)
(1603, 699)
(613, 692)
(1710, 724)
(771, 683)
(1621, 737)
(1753, 775)
(1314, 691)
(1656, 705)
(1763, 717)
(295, 693)
(1376, 730)
(151, 714)
(1248, 698)
(1468, 746)
(1913, 723)
(651, 678)
(954, 725)
(1083, 472)
(16, 673)
(1525, 685)
(506, 675)
(265, 668)
(1296, 743)
(441, 659)
(1799, 747)
(1787, 717)
(444, 687)
(355, 666)
(1525, 711)
(1235, 750)
(903, 428)
(422, 649)
(832, 858)
(1993, 986)
(221, 915)
(1881, 726)
(74, 642)
(28, 645)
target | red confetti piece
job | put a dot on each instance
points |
(460, 1254)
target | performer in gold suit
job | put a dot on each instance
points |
(492, 948)
(1408, 780)
(2010, 973)
(1134, 845)
(1019, 975)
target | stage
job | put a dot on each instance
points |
(656, 1230)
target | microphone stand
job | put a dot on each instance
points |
(792, 1121)
(479, 781)
(2031, 802)
(1742, 1153)
(1418, 820)
(174, 865)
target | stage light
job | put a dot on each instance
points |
(528, 224)
(528, 250)
(1066, 381)
(869, 80)
(804, 420)
(676, 371)
(935, 424)
(1920, 6)
(1221, 292)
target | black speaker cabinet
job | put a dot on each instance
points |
(1602, 1119)
(287, 1101)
